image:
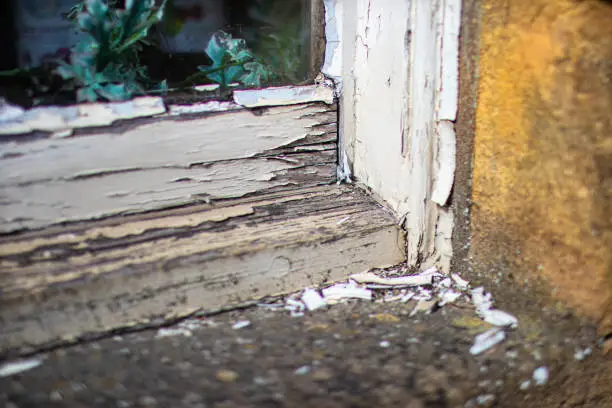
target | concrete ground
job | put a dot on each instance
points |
(354, 354)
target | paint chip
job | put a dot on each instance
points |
(408, 280)
(343, 291)
(486, 340)
(313, 300)
(18, 366)
(540, 375)
(241, 324)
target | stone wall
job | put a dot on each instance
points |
(541, 205)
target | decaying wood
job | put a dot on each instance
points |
(64, 119)
(400, 81)
(156, 163)
(64, 282)
(284, 95)
(317, 36)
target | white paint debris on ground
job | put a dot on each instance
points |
(303, 370)
(18, 366)
(525, 385)
(449, 296)
(241, 324)
(486, 340)
(580, 355)
(460, 282)
(295, 307)
(423, 306)
(485, 399)
(425, 278)
(173, 331)
(540, 375)
(185, 328)
(313, 300)
(429, 289)
(344, 291)
(384, 344)
(483, 302)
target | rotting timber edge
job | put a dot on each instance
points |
(163, 161)
(92, 277)
(189, 226)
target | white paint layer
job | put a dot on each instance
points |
(146, 266)
(449, 90)
(334, 17)
(286, 95)
(64, 119)
(445, 171)
(166, 162)
(400, 64)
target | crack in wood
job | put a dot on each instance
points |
(134, 270)
(221, 156)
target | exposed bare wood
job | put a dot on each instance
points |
(64, 282)
(400, 80)
(317, 36)
(152, 164)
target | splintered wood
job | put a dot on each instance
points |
(70, 281)
(154, 163)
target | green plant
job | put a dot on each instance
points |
(105, 63)
(233, 61)
(280, 38)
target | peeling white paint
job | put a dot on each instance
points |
(60, 119)
(445, 171)
(400, 81)
(343, 172)
(449, 89)
(334, 16)
(162, 163)
(205, 107)
(285, 95)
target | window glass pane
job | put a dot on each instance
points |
(233, 43)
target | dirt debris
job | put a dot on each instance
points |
(352, 353)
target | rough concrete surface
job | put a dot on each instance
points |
(521, 212)
(357, 354)
(542, 172)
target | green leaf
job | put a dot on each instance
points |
(162, 87)
(87, 94)
(233, 74)
(105, 62)
(95, 20)
(65, 71)
(115, 92)
(217, 77)
(215, 51)
(256, 74)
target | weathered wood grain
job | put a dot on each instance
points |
(64, 282)
(400, 80)
(152, 164)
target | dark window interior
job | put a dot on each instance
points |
(7, 37)
(286, 34)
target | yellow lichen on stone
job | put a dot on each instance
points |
(542, 178)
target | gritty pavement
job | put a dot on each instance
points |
(353, 354)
